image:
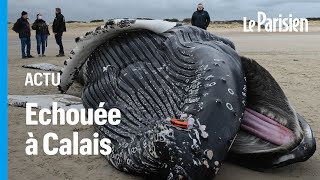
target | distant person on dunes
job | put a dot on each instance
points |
(200, 18)
(42, 33)
(22, 27)
(58, 27)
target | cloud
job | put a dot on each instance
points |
(281, 2)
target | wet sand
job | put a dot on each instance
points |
(292, 58)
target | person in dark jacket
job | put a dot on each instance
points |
(22, 27)
(200, 18)
(42, 33)
(58, 27)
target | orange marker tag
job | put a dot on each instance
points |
(179, 123)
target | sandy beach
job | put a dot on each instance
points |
(292, 58)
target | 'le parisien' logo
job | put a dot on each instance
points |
(275, 24)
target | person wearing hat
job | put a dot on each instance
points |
(58, 27)
(42, 33)
(22, 27)
(200, 18)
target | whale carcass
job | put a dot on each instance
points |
(187, 101)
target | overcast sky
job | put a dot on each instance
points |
(86, 10)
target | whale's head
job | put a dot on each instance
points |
(187, 99)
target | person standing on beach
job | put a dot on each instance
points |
(22, 27)
(42, 33)
(200, 18)
(58, 27)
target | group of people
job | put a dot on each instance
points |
(200, 18)
(22, 27)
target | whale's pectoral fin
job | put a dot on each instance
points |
(91, 40)
(272, 133)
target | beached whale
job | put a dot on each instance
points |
(187, 100)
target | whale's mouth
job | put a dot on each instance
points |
(266, 128)
(272, 133)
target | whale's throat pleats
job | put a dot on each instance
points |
(185, 74)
